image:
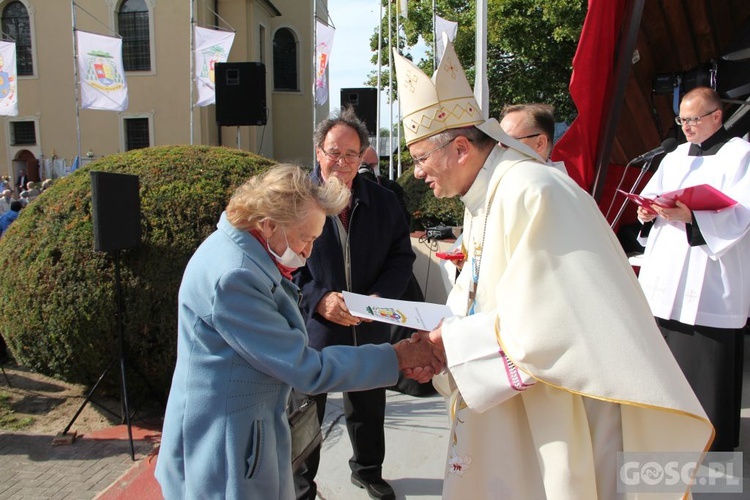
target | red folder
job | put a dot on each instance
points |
(700, 197)
(455, 255)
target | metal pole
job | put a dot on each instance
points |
(434, 37)
(76, 78)
(380, 59)
(390, 93)
(481, 84)
(121, 349)
(192, 67)
(398, 110)
(314, 72)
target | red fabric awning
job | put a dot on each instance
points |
(591, 85)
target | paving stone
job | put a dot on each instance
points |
(31, 468)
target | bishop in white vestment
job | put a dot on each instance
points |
(555, 363)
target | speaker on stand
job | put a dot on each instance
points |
(116, 211)
(241, 93)
(364, 101)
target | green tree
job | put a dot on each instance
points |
(530, 47)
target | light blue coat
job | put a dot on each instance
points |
(241, 345)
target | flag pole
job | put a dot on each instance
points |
(76, 78)
(481, 84)
(380, 58)
(390, 92)
(192, 69)
(398, 109)
(314, 72)
(434, 37)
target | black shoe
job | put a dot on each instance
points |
(376, 487)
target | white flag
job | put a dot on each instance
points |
(402, 8)
(450, 28)
(324, 42)
(101, 73)
(211, 47)
(8, 80)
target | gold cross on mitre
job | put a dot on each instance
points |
(422, 98)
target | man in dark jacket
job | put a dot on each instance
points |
(366, 250)
(370, 170)
(21, 182)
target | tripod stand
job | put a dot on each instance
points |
(119, 358)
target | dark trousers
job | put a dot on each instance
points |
(712, 361)
(365, 420)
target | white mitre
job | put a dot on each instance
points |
(446, 101)
(430, 106)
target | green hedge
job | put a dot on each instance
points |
(426, 210)
(57, 311)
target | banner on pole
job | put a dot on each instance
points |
(211, 47)
(402, 8)
(324, 42)
(101, 73)
(8, 80)
(450, 28)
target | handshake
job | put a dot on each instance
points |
(419, 357)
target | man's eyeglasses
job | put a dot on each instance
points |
(691, 121)
(335, 156)
(418, 161)
(527, 136)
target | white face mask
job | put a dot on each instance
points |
(290, 258)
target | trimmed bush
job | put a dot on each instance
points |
(58, 309)
(426, 210)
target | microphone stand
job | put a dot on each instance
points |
(643, 171)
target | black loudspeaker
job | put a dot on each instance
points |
(241, 93)
(116, 209)
(365, 104)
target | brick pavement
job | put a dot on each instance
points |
(98, 465)
(32, 468)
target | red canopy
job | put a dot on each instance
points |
(591, 86)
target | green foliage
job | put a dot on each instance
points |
(428, 211)
(530, 47)
(531, 44)
(57, 311)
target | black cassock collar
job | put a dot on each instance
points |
(710, 146)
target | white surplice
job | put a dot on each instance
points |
(709, 284)
(556, 295)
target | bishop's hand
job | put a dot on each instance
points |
(419, 359)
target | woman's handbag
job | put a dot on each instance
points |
(306, 435)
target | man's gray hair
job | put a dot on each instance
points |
(346, 116)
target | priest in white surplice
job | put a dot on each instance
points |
(696, 270)
(555, 362)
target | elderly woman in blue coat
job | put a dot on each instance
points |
(242, 345)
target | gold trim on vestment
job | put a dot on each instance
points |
(603, 398)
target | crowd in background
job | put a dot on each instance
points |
(14, 198)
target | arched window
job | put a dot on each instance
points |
(16, 28)
(133, 27)
(285, 60)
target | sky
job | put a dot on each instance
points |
(355, 21)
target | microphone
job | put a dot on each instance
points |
(667, 146)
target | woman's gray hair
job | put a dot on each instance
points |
(284, 194)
